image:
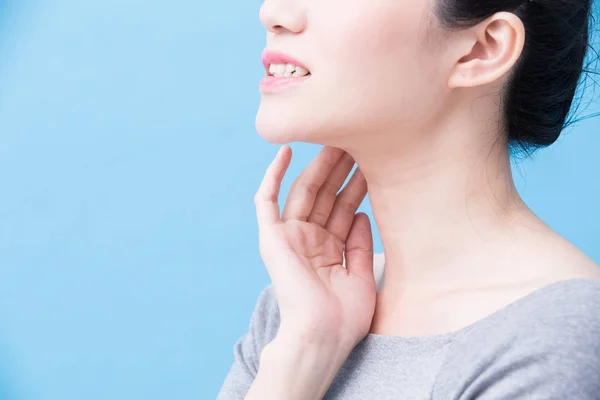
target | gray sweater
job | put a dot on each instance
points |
(545, 345)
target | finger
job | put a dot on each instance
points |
(359, 248)
(303, 192)
(266, 198)
(328, 192)
(346, 204)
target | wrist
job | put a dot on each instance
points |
(304, 336)
(299, 369)
(314, 348)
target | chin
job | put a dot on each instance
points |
(284, 129)
(271, 134)
(279, 129)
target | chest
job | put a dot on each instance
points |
(388, 373)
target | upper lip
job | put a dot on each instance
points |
(278, 57)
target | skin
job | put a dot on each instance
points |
(416, 107)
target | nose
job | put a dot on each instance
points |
(279, 16)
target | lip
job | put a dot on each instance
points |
(279, 57)
(271, 83)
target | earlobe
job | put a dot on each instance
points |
(489, 52)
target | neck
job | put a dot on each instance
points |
(440, 205)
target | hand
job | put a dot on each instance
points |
(319, 299)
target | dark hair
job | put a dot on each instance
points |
(540, 91)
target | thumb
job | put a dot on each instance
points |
(359, 248)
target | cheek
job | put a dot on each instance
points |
(371, 30)
(378, 68)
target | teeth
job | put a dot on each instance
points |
(301, 71)
(287, 70)
(277, 69)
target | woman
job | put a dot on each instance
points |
(481, 299)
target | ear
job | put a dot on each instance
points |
(487, 51)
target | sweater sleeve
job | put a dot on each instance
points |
(263, 327)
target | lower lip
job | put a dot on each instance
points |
(270, 83)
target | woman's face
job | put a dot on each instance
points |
(374, 68)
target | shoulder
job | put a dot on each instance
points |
(265, 319)
(568, 308)
(263, 326)
(544, 345)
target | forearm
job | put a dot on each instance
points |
(293, 369)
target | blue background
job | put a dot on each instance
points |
(128, 165)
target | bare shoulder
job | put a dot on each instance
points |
(566, 260)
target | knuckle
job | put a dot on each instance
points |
(319, 215)
(310, 188)
(329, 188)
(330, 164)
(348, 207)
